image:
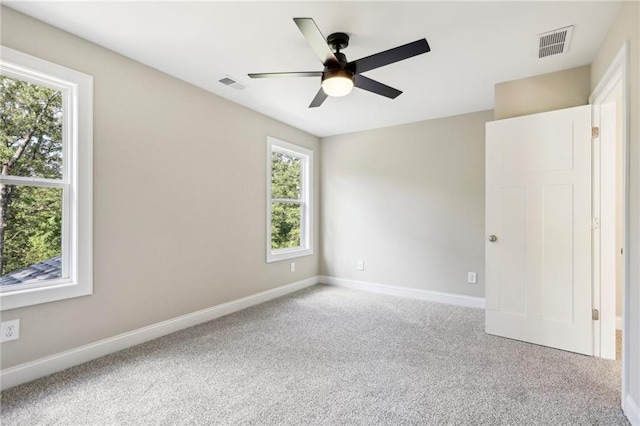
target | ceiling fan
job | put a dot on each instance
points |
(340, 76)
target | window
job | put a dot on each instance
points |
(289, 195)
(46, 114)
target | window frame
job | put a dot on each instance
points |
(76, 182)
(306, 200)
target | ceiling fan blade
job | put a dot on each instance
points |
(390, 56)
(376, 87)
(319, 99)
(286, 74)
(316, 40)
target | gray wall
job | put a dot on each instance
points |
(408, 201)
(626, 28)
(541, 93)
(179, 199)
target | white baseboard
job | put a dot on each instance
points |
(43, 367)
(618, 323)
(431, 296)
(632, 411)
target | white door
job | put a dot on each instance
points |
(538, 207)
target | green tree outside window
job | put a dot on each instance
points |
(31, 144)
(286, 206)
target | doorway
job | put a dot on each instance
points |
(611, 213)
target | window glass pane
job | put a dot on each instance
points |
(285, 225)
(31, 240)
(30, 129)
(285, 176)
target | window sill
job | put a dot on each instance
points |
(276, 256)
(43, 294)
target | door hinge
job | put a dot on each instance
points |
(595, 132)
(595, 315)
(595, 223)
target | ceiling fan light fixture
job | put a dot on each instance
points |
(338, 82)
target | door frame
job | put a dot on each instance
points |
(617, 73)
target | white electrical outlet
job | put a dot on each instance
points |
(471, 277)
(293, 266)
(9, 330)
(360, 265)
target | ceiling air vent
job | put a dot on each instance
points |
(229, 81)
(553, 42)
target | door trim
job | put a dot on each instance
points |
(618, 72)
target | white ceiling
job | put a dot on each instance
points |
(473, 46)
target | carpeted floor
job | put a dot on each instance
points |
(333, 356)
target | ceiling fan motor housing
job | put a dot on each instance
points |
(338, 72)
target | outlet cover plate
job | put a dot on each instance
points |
(9, 330)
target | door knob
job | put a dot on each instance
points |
(493, 238)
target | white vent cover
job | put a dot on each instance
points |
(553, 42)
(229, 81)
